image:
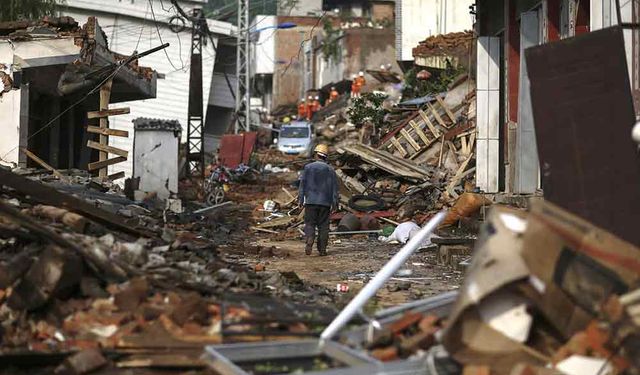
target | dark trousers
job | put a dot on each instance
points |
(316, 216)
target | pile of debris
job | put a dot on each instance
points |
(445, 43)
(120, 282)
(545, 293)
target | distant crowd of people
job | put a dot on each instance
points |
(307, 107)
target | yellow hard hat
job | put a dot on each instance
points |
(321, 149)
(286, 120)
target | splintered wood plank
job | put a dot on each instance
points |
(42, 163)
(116, 176)
(108, 112)
(441, 150)
(107, 131)
(446, 109)
(463, 145)
(105, 163)
(419, 132)
(472, 139)
(409, 139)
(436, 115)
(399, 147)
(107, 149)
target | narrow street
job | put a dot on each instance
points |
(466, 171)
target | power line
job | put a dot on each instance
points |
(48, 124)
(297, 56)
(155, 22)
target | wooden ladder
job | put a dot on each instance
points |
(420, 133)
(103, 130)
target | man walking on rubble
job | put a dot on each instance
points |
(318, 193)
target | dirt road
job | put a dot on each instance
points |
(353, 261)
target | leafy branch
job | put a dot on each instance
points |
(367, 107)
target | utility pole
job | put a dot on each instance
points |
(195, 117)
(243, 74)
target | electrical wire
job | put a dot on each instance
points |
(48, 124)
(142, 28)
(297, 56)
(155, 22)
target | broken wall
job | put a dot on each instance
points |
(26, 55)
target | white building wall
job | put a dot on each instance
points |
(126, 34)
(264, 49)
(419, 19)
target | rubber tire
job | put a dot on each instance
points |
(215, 197)
(378, 205)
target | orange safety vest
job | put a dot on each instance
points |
(302, 110)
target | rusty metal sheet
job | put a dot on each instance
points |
(583, 113)
(236, 149)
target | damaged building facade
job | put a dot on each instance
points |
(54, 64)
(506, 145)
(419, 19)
(350, 38)
(132, 25)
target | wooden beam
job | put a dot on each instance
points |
(45, 194)
(116, 176)
(409, 139)
(108, 112)
(105, 163)
(459, 174)
(397, 144)
(441, 150)
(107, 131)
(472, 139)
(446, 109)
(436, 115)
(105, 96)
(419, 132)
(43, 164)
(463, 145)
(107, 149)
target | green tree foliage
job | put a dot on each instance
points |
(438, 82)
(330, 47)
(15, 10)
(368, 107)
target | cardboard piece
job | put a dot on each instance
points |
(562, 266)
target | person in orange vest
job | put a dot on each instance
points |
(355, 89)
(316, 104)
(360, 81)
(309, 107)
(302, 110)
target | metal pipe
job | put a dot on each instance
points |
(212, 207)
(355, 232)
(380, 278)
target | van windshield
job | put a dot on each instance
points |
(294, 132)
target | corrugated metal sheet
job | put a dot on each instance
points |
(237, 148)
(126, 34)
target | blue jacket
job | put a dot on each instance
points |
(318, 185)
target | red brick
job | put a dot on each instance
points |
(409, 319)
(385, 354)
